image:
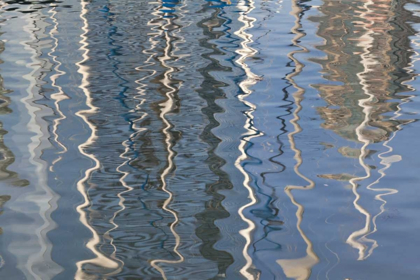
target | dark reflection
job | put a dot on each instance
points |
(6, 155)
(29, 7)
(211, 90)
(143, 129)
(125, 200)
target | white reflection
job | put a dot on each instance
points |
(100, 260)
(167, 107)
(301, 268)
(251, 79)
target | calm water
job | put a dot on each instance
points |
(209, 139)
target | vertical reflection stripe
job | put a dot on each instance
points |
(299, 269)
(101, 259)
(251, 79)
(167, 107)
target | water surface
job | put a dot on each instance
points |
(209, 140)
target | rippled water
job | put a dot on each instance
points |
(209, 139)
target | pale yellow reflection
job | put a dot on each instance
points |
(301, 268)
(100, 259)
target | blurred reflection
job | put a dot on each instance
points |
(370, 69)
(6, 155)
(37, 202)
(210, 91)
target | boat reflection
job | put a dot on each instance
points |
(365, 63)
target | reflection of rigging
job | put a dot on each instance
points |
(100, 259)
(366, 64)
(369, 59)
(166, 108)
(59, 95)
(251, 79)
(301, 268)
(42, 196)
(124, 174)
(208, 231)
(366, 41)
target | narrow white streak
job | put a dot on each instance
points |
(386, 161)
(123, 182)
(100, 259)
(167, 107)
(121, 194)
(251, 79)
(59, 95)
(352, 239)
(367, 60)
(301, 268)
(121, 199)
(107, 234)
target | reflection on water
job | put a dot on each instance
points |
(366, 65)
(298, 268)
(209, 140)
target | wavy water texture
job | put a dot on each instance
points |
(168, 106)
(226, 139)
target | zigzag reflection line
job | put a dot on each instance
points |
(100, 259)
(47, 201)
(366, 41)
(59, 95)
(168, 106)
(251, 79)
(299, 269)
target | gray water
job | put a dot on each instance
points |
(209, 139)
